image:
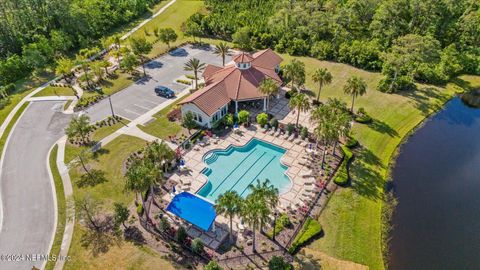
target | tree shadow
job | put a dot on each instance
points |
(91, 179)
(134, 235)
(420, 99)
(383, 128)
(365, 172)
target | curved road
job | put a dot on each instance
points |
(26, 187)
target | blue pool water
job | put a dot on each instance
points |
(235, 168)
(193, 209)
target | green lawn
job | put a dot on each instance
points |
(126, 256)
(161, 127)
(352, 219)
(10, 125)
(173, 17)
(55, 91)
(61, 206)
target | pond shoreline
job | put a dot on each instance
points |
(386, 221)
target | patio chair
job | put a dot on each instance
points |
(272, 132)
(291, 138)
(265, 128)
(286, 136)
(279, 131)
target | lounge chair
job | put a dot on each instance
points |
(278, 133)
(265, 129)
(291, 138)
(272, 132)
(286, 136)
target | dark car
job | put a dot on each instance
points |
(164, 92)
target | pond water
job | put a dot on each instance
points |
(437, 183)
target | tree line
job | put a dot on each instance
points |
(427, 41)
(34, 33)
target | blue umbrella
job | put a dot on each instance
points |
(182, 162)
(173, 189)
(235, 126)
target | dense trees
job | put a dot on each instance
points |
(34, 33)
(368, 34)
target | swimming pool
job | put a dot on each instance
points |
(235, 168)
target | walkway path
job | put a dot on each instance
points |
(147, 20)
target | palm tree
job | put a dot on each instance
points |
(160, 154)
(196, 66)
(268, 87)
(141, 176)
(105, 64)
(85, 64)
(230, 204)
(267, 195)
(252, 214)
(355, 87)
(323, 77)
(222, 50)
(301, 103)
(79, 127)
(295, 72)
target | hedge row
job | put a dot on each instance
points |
(341, 177)
(310, 229)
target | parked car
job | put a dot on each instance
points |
(164, 92)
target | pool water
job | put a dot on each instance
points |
(235, 168)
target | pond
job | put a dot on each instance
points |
(437, 184)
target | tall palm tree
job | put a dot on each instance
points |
(141, 176)
(85, 65)
(268, 87)
(230, 204)
(222, 50)
(355, 87)
(267, 195)
(196, 66)
(323, 77)
(160, 154)
(301, 103)
(252, 212)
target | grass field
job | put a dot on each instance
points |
(161, 127)
(126, 256)
(55, 91)
(352, 219)
(61, 206)
(173, 17)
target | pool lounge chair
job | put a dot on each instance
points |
(291, 138)
(272, 132)
(286, 136)
(265, 129)
(278, 133)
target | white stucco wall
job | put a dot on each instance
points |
(190, 107)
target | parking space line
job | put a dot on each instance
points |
(154, 103)
(142, 107)
(130, 111)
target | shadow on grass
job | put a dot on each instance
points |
(134, 235)
(365, 172)
(383, 128)
(421, 99)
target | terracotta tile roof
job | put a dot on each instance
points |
(210, 69)
(243, 57)
(231, 83)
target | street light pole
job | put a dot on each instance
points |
(111, 107)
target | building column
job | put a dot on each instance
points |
(265, 104)
(236, 107)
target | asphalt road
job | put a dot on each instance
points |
(26, 188)
(140, 97)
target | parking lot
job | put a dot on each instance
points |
(140, 97)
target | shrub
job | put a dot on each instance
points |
(362, 117)
(140, 209)
(262, 119)
(229, 119)
(282, 222)
(164, 224)
(4, 102)
(341, 177)
(304, 133)
(290, 128)
(351, 142)
(181, 234)
(187, 82)
(290, 94)
(310, 229)
(212, 265)
(9, 88)
(278, 263)
(274, 123)
(197, 245)
(189, 76)
(243, 116)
